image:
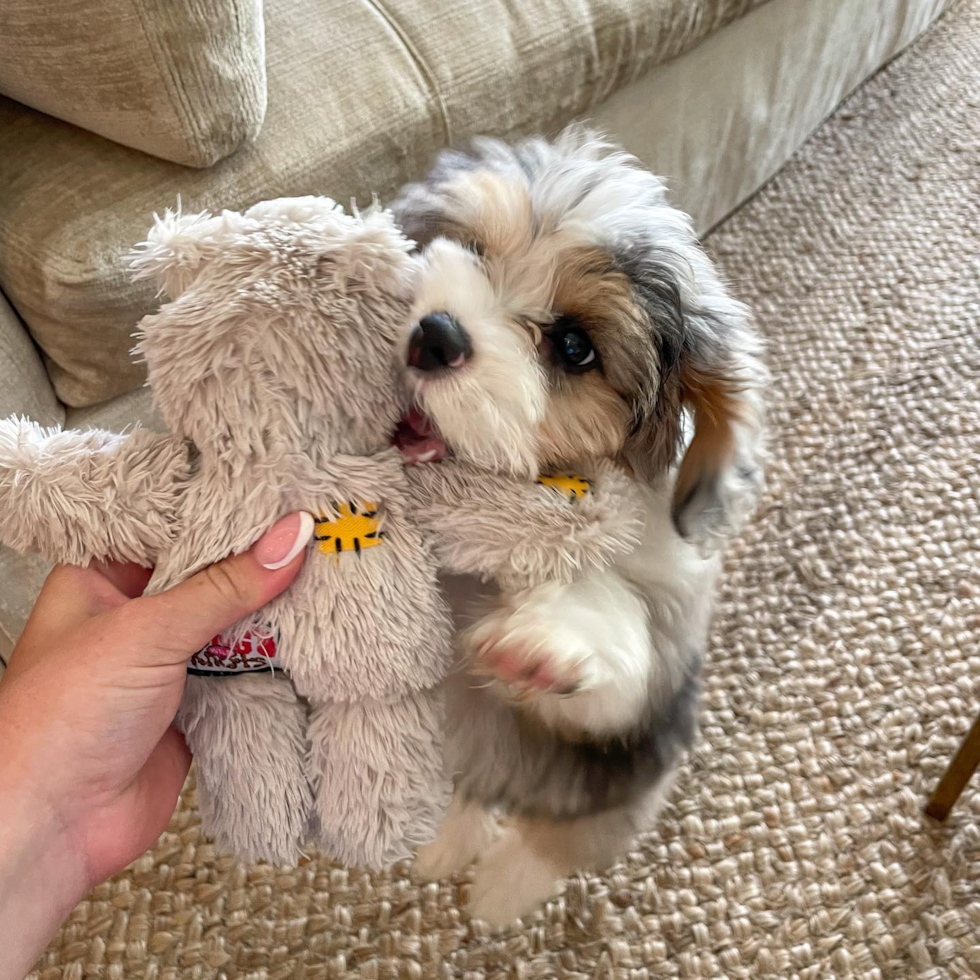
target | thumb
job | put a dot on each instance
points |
(183, 619)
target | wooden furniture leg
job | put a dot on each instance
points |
(963, 765)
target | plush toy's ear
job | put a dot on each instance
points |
(176, 248)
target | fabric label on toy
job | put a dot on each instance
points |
(569, 486)
(250, 656)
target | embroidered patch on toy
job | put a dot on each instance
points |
(250, 656)
(569, 486)
(355, 528)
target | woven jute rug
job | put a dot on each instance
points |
(844, 666)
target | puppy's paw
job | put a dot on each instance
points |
(510, 881)
(524, 656)
(577, 655)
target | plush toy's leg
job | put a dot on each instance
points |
(248, 737)
(379, 772)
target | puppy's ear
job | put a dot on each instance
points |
(721, 381)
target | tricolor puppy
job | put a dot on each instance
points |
(567, 312)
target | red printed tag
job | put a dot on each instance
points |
(250, 655)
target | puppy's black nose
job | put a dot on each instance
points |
(439, 341)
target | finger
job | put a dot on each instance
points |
(129, 579)
(183, 619)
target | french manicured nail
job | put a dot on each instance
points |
(284, 540)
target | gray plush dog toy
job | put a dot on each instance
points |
(275, 366)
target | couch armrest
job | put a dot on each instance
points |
(21, 578)
(24, 385)
(24, 390)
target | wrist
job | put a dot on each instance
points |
(41, 879)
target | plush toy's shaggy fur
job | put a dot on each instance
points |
(275, 364)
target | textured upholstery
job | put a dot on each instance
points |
(719, 122)
(360, 95)
(184, 80)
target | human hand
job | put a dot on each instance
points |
(90, 767)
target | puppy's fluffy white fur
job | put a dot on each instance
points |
(598, 328)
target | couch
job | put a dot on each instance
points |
(111, 111)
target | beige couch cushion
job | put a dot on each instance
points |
(360, 95)
(184, 80)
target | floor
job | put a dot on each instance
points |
(844, 666)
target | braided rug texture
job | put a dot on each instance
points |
(845, 663)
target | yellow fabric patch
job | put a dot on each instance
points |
(568, 485)
(355, 528)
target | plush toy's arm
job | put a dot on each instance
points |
(522, 533)
(74, 496)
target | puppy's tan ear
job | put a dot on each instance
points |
(722, 380)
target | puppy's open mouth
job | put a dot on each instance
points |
(418, 439)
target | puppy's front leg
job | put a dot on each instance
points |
(578, 655)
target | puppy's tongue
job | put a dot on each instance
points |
(417, 439)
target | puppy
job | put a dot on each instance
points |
(566, 312)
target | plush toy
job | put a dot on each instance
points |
(275, 364)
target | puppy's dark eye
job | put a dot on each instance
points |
(572, 345)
